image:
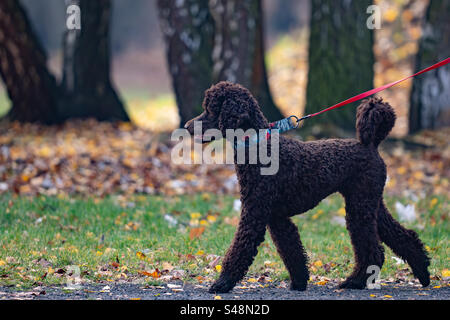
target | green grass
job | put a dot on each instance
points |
(94, 233)
(5, 104)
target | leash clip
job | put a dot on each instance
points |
(297, 120)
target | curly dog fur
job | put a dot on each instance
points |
(309, 172)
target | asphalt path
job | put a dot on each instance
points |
(180, 291)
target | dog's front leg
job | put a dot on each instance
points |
(242, 251)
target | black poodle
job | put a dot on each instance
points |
(309, 172)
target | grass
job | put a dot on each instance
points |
(4, 103)
(98, 233)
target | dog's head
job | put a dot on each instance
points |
(229, 106)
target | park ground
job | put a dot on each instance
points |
(106, 198)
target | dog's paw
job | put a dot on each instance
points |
(221, 286)
(298, 286)
(425, 281)
(352, 283)
(423, 275)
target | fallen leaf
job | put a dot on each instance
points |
(140, 255)
(318, 263)
(196, 232)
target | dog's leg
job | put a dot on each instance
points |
(405, 243)
(243, 249)
(361, 221)
(287, 240)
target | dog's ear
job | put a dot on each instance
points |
(243, 121)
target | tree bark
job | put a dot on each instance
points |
(87, 85)
(30, 86)
(188, 29)
(341, 59)
(430, 95)
(239, 49)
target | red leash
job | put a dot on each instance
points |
(373, 91)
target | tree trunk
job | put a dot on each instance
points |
(239, 49)
(31, 87)
(430, 96)
(86, 73)
(341, 59)
(188, 29)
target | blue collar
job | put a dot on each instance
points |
(282, 126)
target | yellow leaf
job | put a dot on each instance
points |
(140, 255)
(433, 203)
(203, 222)
(436, 287)
(418, 175)
(391, 183)
(373, 296)
(341, 212)
(390, 15)
(206, 196)
(269, 263)
(200, 252)
(387, 296)
(211, 218)
(252, 280)
(318, 263)
(446, 273)
(190, 176)
(156, 274)
(322, 282)
(195, 215)
(317, 214)
(401, 170)
(45, 152)
(218, 268)
(98, 253)
(2, 262)
(217, 298)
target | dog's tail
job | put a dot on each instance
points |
(374, 121)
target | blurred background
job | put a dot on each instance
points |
(146, 64)
(353, 58)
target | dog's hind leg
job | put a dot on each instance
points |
(405, 243)
(361, 211)
(287, 240)
(243, 249)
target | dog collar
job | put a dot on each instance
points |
(282, 126)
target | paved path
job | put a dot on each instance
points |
(112, 291)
